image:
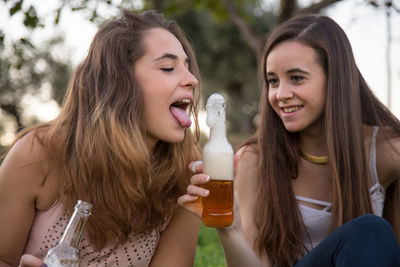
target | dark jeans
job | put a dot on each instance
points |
(368, 240)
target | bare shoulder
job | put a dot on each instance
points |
(24, 156)
(24, 169)
(248, 156)
(388, 155)
(247, 166)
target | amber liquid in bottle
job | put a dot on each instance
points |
(66, 252)
(218, 163)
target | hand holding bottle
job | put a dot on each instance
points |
(192, 200)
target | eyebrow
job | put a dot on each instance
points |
(170, 56)
(290, 71)
(297, 70)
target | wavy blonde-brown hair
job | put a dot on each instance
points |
(99, 136)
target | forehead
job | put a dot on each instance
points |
(159, 41)
(289, 54)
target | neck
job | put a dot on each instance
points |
(313, 147)
(314, 159)
(313, 143)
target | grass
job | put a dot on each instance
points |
(209, 251)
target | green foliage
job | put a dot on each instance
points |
(209, 251)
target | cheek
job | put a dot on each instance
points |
(271, 97)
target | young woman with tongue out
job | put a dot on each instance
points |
(121, 142)
(326, 153)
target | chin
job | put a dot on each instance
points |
(173, 139)
(292, 128)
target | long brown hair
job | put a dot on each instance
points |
(349, 104)
(100, 136)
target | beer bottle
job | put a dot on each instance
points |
(218, 164)
(66, 252)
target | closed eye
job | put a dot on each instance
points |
(167, 69)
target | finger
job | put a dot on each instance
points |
(197, 191)
(196, 166)
(199, 179)
(182, 200)
(30, 261)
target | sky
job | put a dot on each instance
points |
(365, 26)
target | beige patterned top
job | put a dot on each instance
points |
(48, 227)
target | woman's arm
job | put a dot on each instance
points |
(237, 250)
(391, 210)
(246, 187)
(18, 195)
(177, 244)
(388, 167)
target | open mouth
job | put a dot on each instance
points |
(291, 109)
(182, 104)
(178, 110)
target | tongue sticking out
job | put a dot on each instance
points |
(181, 116)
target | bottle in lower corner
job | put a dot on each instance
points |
(66, 252)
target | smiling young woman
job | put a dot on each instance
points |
(326, 156)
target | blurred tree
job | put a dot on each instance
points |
(26, 69)
(228, 36)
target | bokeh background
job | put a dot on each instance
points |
(41, 42)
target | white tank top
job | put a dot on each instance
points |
(317, 221)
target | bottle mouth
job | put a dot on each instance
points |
(84, 206)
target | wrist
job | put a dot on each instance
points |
(229, 229)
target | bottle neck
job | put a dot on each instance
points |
(218, 132)
(73, 233)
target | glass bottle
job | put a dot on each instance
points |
(66, 252)
(218, 164)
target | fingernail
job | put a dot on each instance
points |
(194, 165)
(208, 178)
(206, 193)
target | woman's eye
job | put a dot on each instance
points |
(167, 69)
(272, 81)
(297, 78)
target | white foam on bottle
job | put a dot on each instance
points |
(217, 152)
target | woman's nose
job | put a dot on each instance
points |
(284, 92)
(189, 80)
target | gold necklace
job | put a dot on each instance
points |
(314, 159)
